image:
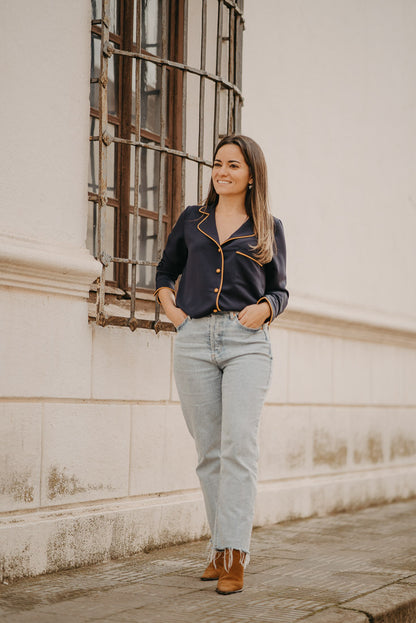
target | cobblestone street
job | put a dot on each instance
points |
(347, 568)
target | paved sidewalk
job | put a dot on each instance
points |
(348, 568)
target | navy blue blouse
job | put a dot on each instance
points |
(220, 277)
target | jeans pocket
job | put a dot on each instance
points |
(249, 329)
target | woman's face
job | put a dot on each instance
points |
(230, 173)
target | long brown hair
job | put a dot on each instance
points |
(257, 198)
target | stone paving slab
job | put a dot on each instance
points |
(355, 567)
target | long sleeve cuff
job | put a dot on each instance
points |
(156, 292)
(272, 315)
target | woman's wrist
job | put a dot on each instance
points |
(177, 316)
(266, 308)
(167, 299)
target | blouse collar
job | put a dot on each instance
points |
(208, 227)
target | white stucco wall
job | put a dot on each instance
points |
(330, 94)
(96, 458)
(45, 106)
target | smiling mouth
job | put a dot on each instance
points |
(222, 182)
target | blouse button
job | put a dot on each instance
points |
(219, 250)
(216, 290)
(218, 270)
(215, 311)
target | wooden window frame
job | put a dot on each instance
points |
(121, 202)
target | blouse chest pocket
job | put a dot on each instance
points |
(250, 258)
(248, 273)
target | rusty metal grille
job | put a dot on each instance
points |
(210, 105)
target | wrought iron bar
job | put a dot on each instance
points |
(136, 167)
(156, 147)
(217, 109)
(137, 323)
(184, 100)
(201, 116)
(128, 260)
(234, 5)
(102, 158)
(231, 69)
(163, 154)
(239, 28)
(175, 65)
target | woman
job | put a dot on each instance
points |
(231, 256)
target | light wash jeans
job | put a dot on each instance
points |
(222, 372)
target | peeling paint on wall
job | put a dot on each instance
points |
(18, 486)
(402, 447)
(371, 452)
(16, 565)
(296, 458)
(328, 450)
(59, 483)
(75, 542)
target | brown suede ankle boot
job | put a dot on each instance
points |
(212, 572)
(231, 581)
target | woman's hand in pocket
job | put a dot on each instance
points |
(254, 316)
(177, 316)
(167, 299)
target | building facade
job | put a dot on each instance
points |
(95, 458)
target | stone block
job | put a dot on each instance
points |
(163, 454)
(331, 438)
(310, 368)
(331, 494)
(282, 500)
(46, 342)
(409, 376)
(278, 392)
(387, 375)
(351, 371)
(401, 426)
(131, 366)
(20, 434)
(85, 452)
(174, 396)
(285, 442)
(368, 436)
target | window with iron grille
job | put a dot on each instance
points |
(165, 86)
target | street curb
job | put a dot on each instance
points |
(395, 603)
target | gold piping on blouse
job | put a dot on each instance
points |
(250, 258)
(264, 298)
(222, 256)
(228, 239)
(203, 211)
(155, 293)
